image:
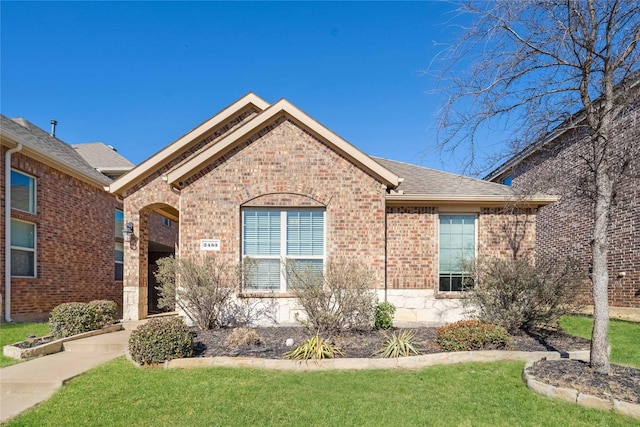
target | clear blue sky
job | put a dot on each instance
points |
(137, 75)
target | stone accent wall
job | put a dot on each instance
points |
(564, 228)
(74, 243)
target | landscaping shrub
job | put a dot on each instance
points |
(243, 337)
(399, 345)
(468, 335)
(72, 318)
(384, 315)
(160, 339)
(516, 294)
(106, 312)
(201, 288)
(314, 348)
(339, 299)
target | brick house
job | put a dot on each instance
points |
(553, 166)
(270, 182)
(60, 220)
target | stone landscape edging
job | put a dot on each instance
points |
(574, 396)
(410, 362)
(54, 346)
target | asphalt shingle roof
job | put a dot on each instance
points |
(56, 149)
(102, 156)
(419, 180)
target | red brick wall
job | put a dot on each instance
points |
(161, 233)
(564, 228)
(285, 166)
(412, 241)
(75, 243)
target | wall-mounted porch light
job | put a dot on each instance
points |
(127, 232)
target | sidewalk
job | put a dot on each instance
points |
(26, 384)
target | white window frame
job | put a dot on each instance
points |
(118, 228)
(32, 197)
(282, 257)
(167, 222)
(27, 249)
(475, 244)
(117, 262)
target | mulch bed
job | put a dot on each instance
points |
(623, 383)
(362, 344)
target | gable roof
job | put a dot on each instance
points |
(186, 141)
(283, 108)
(104, 158)
(431, 186)
(49, 150)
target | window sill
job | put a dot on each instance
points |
(451, 295)
(265, 294)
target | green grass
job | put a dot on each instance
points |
(474, 394)
(11, 333)
(624, 337)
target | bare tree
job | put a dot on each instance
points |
(541, 68)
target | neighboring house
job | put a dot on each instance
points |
(554, 166)
(269, 182)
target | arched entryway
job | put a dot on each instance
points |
(155, 235)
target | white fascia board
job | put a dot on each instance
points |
(480, 200)
(286, 109)
(150, 165)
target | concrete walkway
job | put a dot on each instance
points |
(26, 384)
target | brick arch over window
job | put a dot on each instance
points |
(257, 195)
(282, 200)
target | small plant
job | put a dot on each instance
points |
(399, 345)
(314, 348)
(243, 337)
(384, 315)
(160, 339)
(72, 318)
(467, 335)
(338, 299)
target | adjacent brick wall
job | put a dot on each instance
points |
(564, 228)
(75, 243)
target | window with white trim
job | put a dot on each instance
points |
(23, 248)
(118, 259)
(119, 223)
(23, 192)
(457, 244)
(272, 237)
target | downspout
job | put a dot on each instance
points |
(7, 231)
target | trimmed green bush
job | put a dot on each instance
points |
(73, 318)
(468, 335)
(160, 339)
(107, 311)
(384, 315)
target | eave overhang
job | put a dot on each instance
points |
(483, 201)
(182, 144)
(10, 140)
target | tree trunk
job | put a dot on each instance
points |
(600, 273)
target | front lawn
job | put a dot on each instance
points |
(474, 394)
(478, 394)
(624, 337)
(14, 332)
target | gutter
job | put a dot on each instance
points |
(7, 231)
